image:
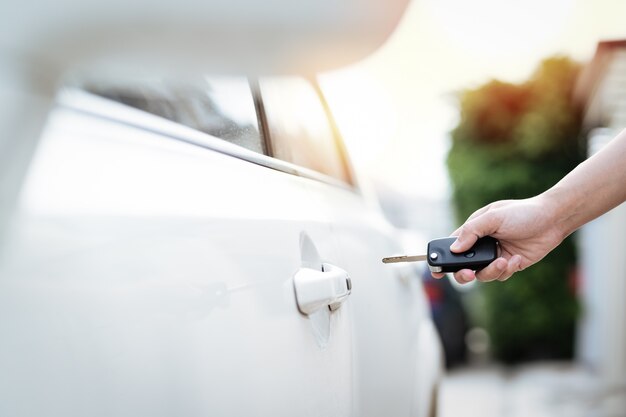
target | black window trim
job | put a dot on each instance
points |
(261, 116)
(337, 138)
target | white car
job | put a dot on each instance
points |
(205, 249)
(200, 248)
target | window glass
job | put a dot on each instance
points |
(220, 106)
(299, 127)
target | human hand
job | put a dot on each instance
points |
(525, 228)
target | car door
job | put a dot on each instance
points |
(397, 354)
(149, 267)
(395, 348)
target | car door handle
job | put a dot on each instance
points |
(318, 289)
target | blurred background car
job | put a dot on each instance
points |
(449, 316)
(445, 301)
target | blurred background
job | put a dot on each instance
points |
(471, 102)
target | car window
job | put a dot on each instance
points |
(220, 106)
(300, 131)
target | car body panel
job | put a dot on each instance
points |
(146, 276)
(148, 270)
(396, 353)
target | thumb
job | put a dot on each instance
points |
(474, 229)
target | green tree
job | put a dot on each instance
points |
(515, 141)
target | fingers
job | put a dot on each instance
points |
(483, 225)
(471, 217)
(478, 212)
(514, 265)
(437, 275)
(493, 271)
(464, 276)
(501, 269)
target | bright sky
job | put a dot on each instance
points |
(396, 108)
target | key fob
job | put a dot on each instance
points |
(441, 259)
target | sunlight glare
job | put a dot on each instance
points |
(488, 28)
(363, 111)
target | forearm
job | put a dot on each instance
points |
(594, 187)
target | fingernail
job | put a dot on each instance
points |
(456, 245)
(501, 265)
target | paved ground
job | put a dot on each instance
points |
(537, 390)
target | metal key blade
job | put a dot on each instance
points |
(404, 258)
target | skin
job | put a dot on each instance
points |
(529, 229)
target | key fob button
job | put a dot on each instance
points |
(470, 254)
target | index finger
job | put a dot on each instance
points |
(472, 230)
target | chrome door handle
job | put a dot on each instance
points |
(317, 289)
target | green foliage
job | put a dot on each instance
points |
(515, 141)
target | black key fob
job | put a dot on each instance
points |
(441, 259)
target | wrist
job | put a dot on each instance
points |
(561, 208)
